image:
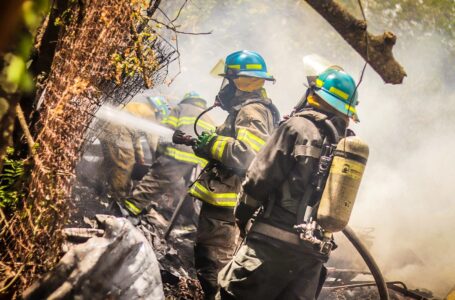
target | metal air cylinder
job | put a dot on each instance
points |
(342, 184)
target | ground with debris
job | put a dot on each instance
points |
(348, 278)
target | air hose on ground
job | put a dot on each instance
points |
(369, 260)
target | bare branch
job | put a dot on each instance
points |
(377, 52)
(180, 11)
(173, 28)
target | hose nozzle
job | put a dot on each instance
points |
(181, 138)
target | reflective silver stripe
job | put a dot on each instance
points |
(307, 150)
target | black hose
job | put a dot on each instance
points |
(369, 260)
(200, 115)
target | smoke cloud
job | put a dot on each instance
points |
(407, 192)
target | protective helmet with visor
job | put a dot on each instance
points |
(245, 71)
(160, 105)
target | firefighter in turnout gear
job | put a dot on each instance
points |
(230, 150)
(175, 161)
(277, 260)
(122, 148)
(162, 110)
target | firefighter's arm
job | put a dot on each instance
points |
(267, 171)
(271, 166)
(252, 131)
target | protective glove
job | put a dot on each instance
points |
(243, 213)
(203, 143)
(181, 138)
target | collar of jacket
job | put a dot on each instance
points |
(199, 102)
(318, 116)
(242, 98)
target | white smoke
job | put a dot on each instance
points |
(407, 192)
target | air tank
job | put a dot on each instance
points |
(342, 184)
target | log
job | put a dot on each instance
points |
(379, 55)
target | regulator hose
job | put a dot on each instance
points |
(200, 115)
(369, 260)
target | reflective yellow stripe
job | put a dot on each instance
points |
(319, 82)
(218, 199)
(339, 93)
(185, 156)
(206, 125)
(234, 67)
(171, 120)
(218, 146)
(351, 108)
(253, 141)
(191, 120)
(186, 121)
(132, 208)
(254, 67)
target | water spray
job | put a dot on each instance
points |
(120, 117)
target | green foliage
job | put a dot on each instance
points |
(15, 76)
(10, 181)
(139, 57)
(415, 18)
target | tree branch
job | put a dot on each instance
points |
(379, 53)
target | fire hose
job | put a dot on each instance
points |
(370, 262)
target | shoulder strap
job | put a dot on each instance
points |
(330, 138)
(322, 122)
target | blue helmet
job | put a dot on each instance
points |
(160, 105)
(192, 95)
(246, 63)
(338, 89)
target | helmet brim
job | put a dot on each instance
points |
(338, 104)
(254, 74)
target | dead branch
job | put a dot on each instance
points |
(377, 52)
(26, 131)
(173, 27)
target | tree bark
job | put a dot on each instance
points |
(379, 54)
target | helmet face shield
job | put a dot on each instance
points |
(249, 84)
(226, 93)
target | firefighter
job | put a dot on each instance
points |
(121, 147)
(175, 162)
(162, 110)
(230, 150)
(275, 261)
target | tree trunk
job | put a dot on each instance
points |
(379, 54)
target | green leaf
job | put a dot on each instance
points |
(16, 70)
